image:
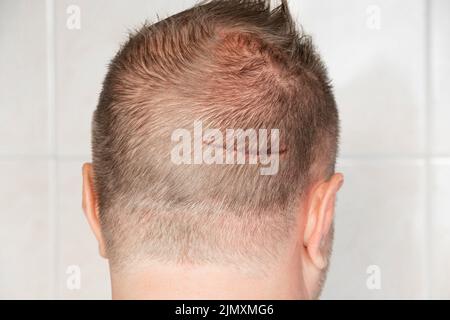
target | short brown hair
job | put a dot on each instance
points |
(231, 64)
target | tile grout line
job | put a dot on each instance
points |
(51, 134)
(428, 212)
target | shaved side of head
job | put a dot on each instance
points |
(229, 64)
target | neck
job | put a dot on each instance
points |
(162, 281)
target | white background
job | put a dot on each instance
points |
(392, 87)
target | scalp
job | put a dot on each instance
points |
(231, 64)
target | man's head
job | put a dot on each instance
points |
(228, 65)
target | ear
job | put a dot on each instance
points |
(90, 206)
(319, 219)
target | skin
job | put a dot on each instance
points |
(298, 274)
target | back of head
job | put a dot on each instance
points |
(233, 64)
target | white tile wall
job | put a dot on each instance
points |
(27, 248)
(440, 226)
(392, 88)
(378, 74)
(439, 87)
(440, 76)
(23, 77)
(380, 221)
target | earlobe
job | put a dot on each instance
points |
(320, 220)
(90, 206)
